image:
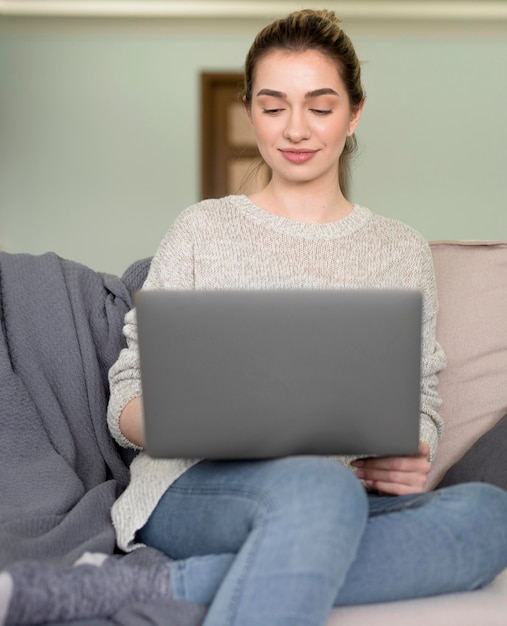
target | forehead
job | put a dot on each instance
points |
(287, 71)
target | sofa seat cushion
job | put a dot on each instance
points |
(485, 607)
(472, 328)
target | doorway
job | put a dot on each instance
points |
(230, 161)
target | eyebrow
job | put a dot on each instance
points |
(325, 91)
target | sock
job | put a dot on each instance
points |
(33, 593)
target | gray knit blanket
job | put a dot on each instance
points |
(60, 470)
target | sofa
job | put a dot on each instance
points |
(472, 328)
(60, 331)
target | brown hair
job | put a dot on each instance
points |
(312, 30)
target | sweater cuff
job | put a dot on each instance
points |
(116, 405)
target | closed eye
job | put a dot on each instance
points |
(322, 111)
(271, 111)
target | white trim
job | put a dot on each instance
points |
(251, 9)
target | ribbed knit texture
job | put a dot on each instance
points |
(233, 244)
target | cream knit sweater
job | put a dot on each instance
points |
(232, 243)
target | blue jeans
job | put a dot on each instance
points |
(280, 542)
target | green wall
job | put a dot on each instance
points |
(99, 130)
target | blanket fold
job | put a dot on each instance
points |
(60, 470)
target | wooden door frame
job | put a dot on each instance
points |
(220, 144)
(213, 175)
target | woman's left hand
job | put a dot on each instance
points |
(395, 475)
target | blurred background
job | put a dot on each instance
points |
(100, 116)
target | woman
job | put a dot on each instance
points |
(282, 541)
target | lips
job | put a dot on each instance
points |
(298, 156)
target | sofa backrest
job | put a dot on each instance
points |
(472, 329)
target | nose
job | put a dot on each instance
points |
(296, 128)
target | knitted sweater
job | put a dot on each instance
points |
(232, 243)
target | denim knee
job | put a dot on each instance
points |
(483, 512)
(480, 500)
(490, 501)
(316, 487)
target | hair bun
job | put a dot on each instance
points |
(326, 14)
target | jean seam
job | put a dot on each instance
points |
(262, 499)
(235, 596)
(179, 582)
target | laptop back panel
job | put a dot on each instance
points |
(259, 374)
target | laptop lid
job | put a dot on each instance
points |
(259, 374)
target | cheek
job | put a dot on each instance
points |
(262, 124)
(257, 127)
(265, 134)
(338, 132)
(265, 151)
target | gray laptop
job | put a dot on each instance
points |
(259, 374)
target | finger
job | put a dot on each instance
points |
(399, 464)
(390, 462)
(398, 483)
(395, 489)
(424, 450)
(393, 477)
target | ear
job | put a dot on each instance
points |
(355, 116)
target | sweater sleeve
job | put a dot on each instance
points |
(432, 358)
(172, 268)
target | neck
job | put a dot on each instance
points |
(304, 203)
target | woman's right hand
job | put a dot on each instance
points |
(131, 422)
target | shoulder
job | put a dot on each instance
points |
(402, 249)
(398, 238)
(210, 210)
(199, 219)
(397, 231)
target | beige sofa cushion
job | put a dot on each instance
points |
(472, 328)
(485, 607)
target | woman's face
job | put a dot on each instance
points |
(301, 115)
